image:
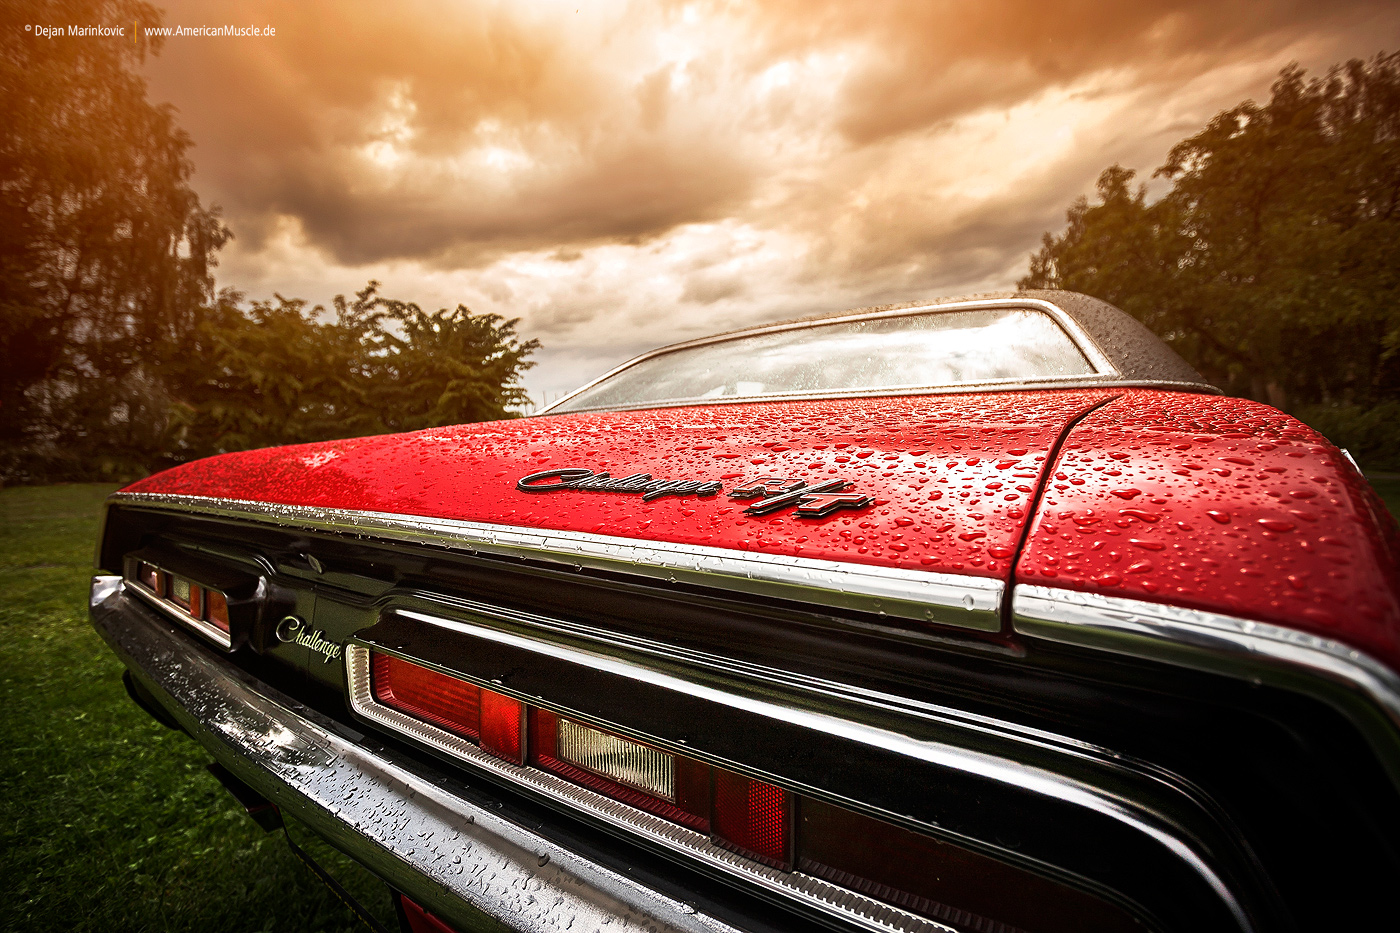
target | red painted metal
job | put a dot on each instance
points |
(1224, 505)
(952, 474)
(1214, 503)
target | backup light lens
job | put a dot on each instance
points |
(622, 769)
(180, 594)
(626, 762)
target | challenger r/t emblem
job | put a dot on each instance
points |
(812, 501)
(774, 493)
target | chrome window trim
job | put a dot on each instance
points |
(1083, 342)
(1068, 382)
(813, 892)
(966, 602)
(1027, 777)
(1237, 647)
(212, 632)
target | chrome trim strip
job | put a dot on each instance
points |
(1069, 382)
(1036, 780)
(212, 632)
(1203, 640)
(463, 861)
(1078, 336)
(810, 891)
(946, 599)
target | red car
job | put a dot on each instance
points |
(985, 615)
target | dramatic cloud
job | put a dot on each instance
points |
(625, 175)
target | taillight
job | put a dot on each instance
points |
(424, 694)
(204, 609)
(503, 726)
(216, 609)
(761, 821)
(753, 817)
(494, 721)
(742, 814)
(149, 576)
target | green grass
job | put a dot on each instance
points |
(110, 821)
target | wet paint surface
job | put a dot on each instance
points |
(1212, 503)
(952, 475)
(1223, 505)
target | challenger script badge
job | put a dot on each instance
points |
(293, 629)
(604, 482)
(812, 501)
(808, 500)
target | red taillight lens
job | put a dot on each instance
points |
(425, 694)
(503, 727)
(419, 920)
(496, 722)
(149, 576)
(753, 817)
(216, 609)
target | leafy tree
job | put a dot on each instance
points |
(278, 374)
(105, 251)
(1272, 263)
(116, 355)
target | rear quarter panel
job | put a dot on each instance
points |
(1223, 505)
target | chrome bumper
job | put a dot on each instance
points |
(463, 862)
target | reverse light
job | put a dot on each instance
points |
(624, 761)
(670, 786)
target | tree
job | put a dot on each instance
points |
(105, 251)
(279, 374)
(116, 354)
(1273, 261)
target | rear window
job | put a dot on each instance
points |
(919, 351)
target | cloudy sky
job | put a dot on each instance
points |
(622, 175)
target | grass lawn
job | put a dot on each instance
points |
(110, 822)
